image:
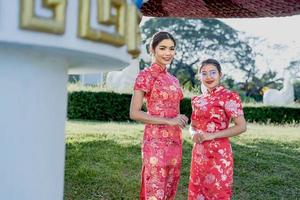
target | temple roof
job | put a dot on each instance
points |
(220, 8)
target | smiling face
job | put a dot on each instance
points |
(164, 52)
(210, 76)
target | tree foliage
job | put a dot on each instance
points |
(197, 40)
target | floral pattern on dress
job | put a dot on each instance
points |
(162, 144)
(211, 174)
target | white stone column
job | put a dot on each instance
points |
(37, 51)
(33, 101)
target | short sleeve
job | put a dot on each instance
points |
(193, 99)
(193, 102)
(181, 96)
(196, 122)
(233, 106)
(143, 82)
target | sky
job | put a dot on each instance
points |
(276, 30)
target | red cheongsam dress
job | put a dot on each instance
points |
(162, 144)
(211, 174)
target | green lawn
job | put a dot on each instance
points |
(103, 161)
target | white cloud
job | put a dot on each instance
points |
(276, 29)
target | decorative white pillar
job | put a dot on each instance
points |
(32, 122)
(37, 51)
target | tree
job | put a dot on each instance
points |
(251, 90)
(199, 39)
(294, 67)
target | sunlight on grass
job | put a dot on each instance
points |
(103, 161)
(272, 132)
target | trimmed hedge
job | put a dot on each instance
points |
(101, 106)
(106, 106)
(270, 114)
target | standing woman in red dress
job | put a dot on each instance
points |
(162, 141)
(211, 174)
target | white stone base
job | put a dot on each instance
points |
(33, 102)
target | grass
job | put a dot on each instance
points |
(103, 161)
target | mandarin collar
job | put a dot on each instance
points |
(157, 68)
(215, 90)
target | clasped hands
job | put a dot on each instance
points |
(199, 136)
(180, 120)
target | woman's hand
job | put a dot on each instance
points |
(207, 137)
(196, 135)
(200, 137)
(180, 120)
(197, 138)
(136, 113)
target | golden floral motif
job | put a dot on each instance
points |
(165, 133)
(174, 161)
(173, 88)
(163, 172)
(165, 95)
(153, 160)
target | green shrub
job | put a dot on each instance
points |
(269, 114)
(100, 106)
(107, 106)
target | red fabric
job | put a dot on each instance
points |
(211, 174)
(162, 144)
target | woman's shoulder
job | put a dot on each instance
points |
(228, 91)
(173, 77)
(150, 71)
(196, 98)
(146, 72)
(231, 94)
